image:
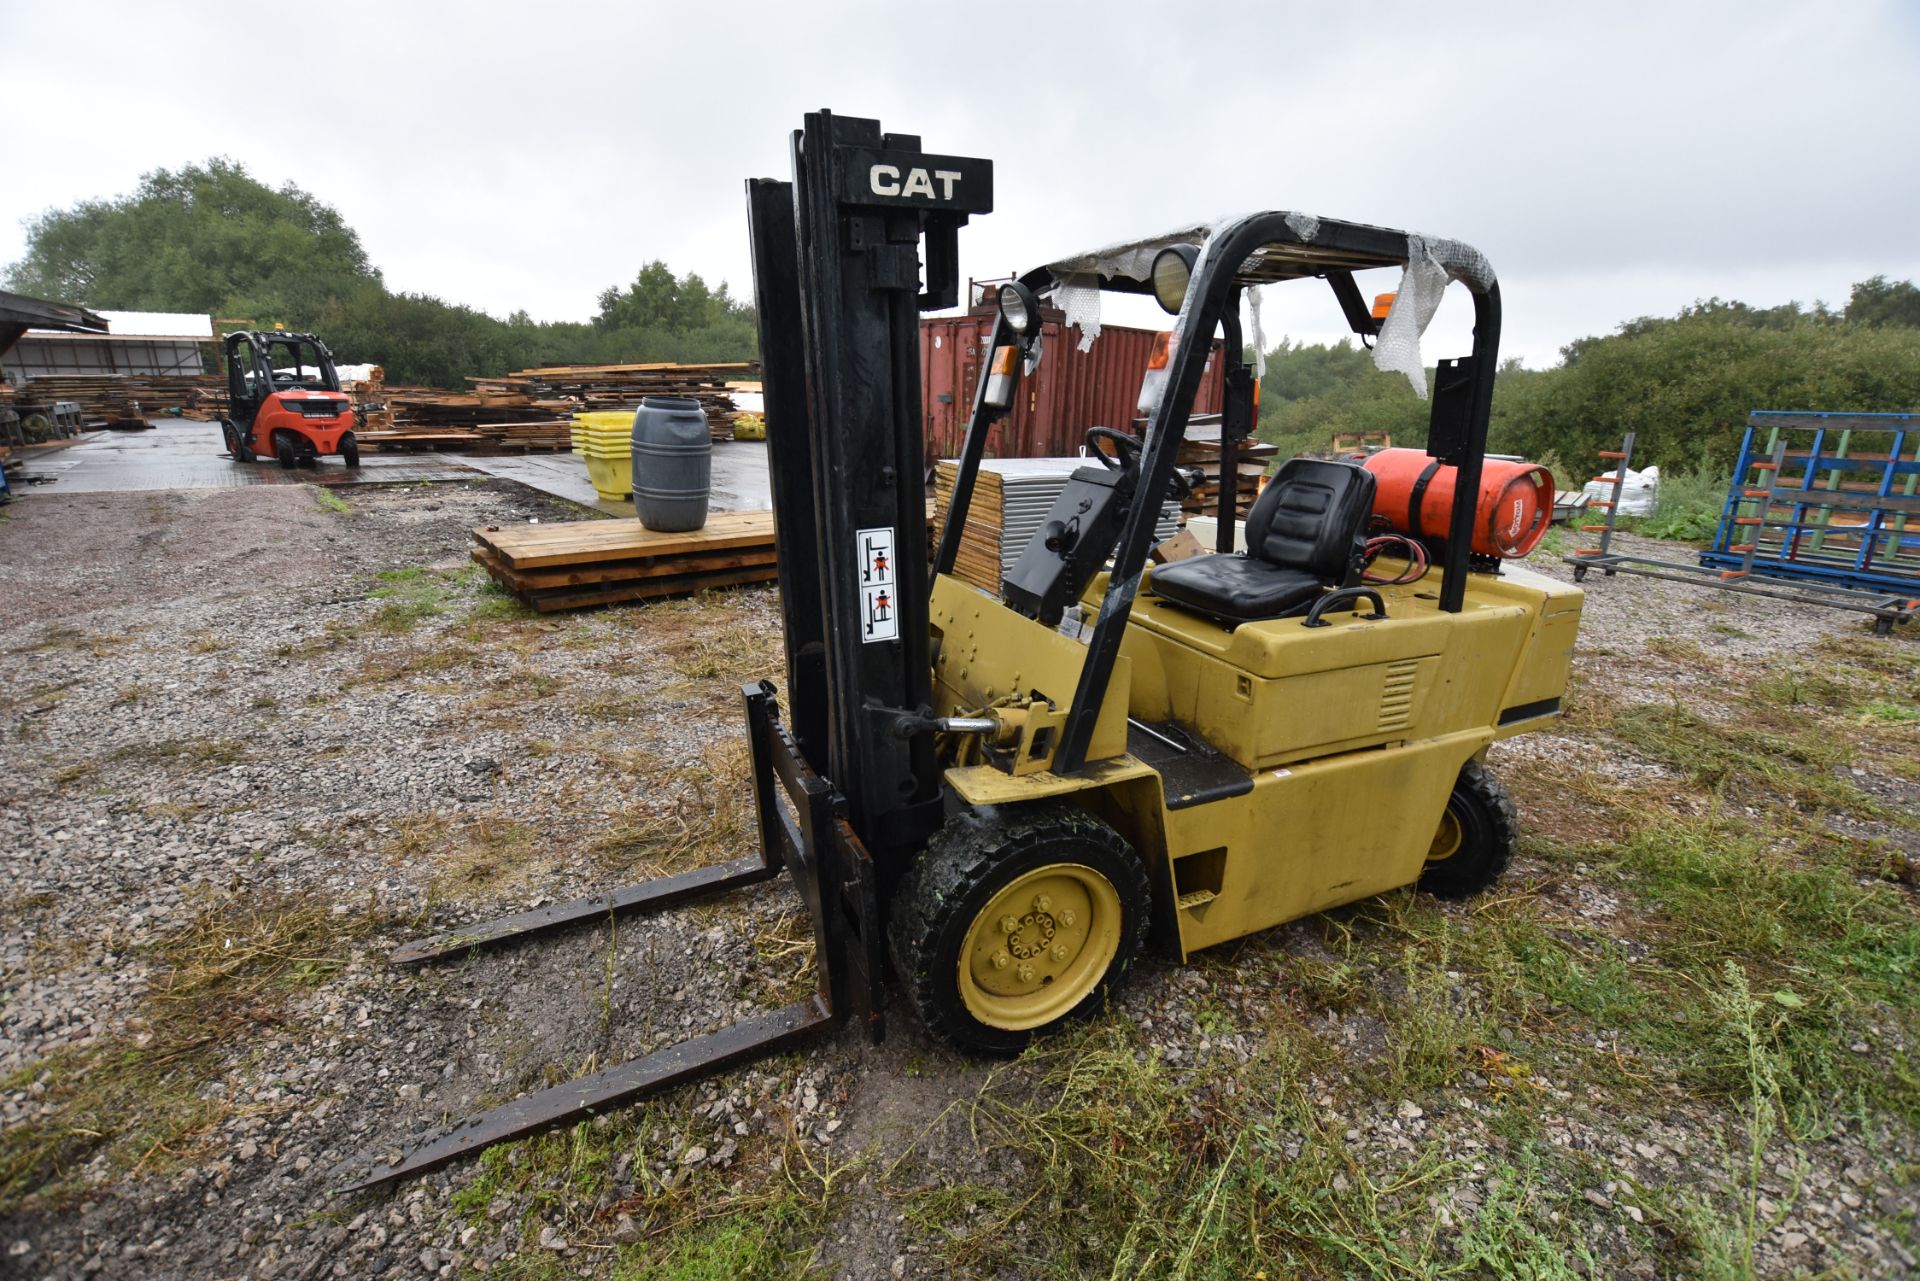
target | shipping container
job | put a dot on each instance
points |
(1070, 392)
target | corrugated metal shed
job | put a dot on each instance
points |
(136, 342)
(1070, 392)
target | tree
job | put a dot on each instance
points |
(1879, 302)
(197, 240)
(211, 238)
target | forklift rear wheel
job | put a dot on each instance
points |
(1579, 573)
(1015, 922)
(349, 450)
(1475, 841)
(283, 451)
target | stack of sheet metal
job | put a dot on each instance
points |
(1010, 504)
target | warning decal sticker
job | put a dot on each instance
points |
(880, 619)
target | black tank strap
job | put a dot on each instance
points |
(1414, 497)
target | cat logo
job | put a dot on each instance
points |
(884, 180)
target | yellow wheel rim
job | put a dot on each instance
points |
(1446, 841)
(1040, 946)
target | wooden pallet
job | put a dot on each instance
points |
(603, 562)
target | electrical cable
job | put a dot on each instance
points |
(1412, 549)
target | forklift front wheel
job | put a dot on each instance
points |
(1012, 924)
(1475, 840)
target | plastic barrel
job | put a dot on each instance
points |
(1414, 494)
(672, 464)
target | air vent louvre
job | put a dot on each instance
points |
(1396, 694)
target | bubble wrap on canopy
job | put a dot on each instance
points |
(1431, 263)
(1079, 292)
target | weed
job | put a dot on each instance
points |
(193, 751)
(411, 595)
(1690, 503)
(78, 772)
(710, 817)
(1890, 713)
(474, 860)
(1681, 648)
(402, 663)
(328, 501)
(498, 605)
(135, 1100)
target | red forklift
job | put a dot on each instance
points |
(285, 401)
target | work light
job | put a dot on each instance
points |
(1020, 307)
(1172, 273)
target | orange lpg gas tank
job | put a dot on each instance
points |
(1414, 494)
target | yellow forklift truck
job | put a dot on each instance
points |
(1004, 800)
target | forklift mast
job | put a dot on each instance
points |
(840, 285)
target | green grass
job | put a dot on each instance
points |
(328, 501)
(758, 1221)
(411, 596)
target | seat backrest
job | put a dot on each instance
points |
(1312, 517)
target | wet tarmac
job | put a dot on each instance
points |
(185, 454)
(182, 453)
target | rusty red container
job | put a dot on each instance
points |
(1071, 391)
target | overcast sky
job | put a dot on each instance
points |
(1612, 160)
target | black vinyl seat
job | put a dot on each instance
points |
(1307, 533)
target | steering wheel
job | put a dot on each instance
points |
(1126, 457)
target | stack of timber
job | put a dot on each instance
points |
(1200, 451)
(533, 408)
(605, 562)
(1011, 498)
(422, 418)
(610, 387)
(368, 396)
(108, 398)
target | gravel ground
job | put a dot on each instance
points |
(212, 703)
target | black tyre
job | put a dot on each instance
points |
(1476, 837)
(236, 444)
(1579, 573)
(283, 451)
(1015, 921)
(349, 450)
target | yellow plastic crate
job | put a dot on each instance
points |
(611, 477)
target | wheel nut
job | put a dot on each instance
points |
(1009, 926)
(1066, 919)
(1001, 960)
(1041, 903)
(1025, 973)
(1060, 953)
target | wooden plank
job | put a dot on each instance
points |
(621, 571)
(585, 542)
(645, 589)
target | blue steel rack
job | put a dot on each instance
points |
(1827, 498)
(1824, 509)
